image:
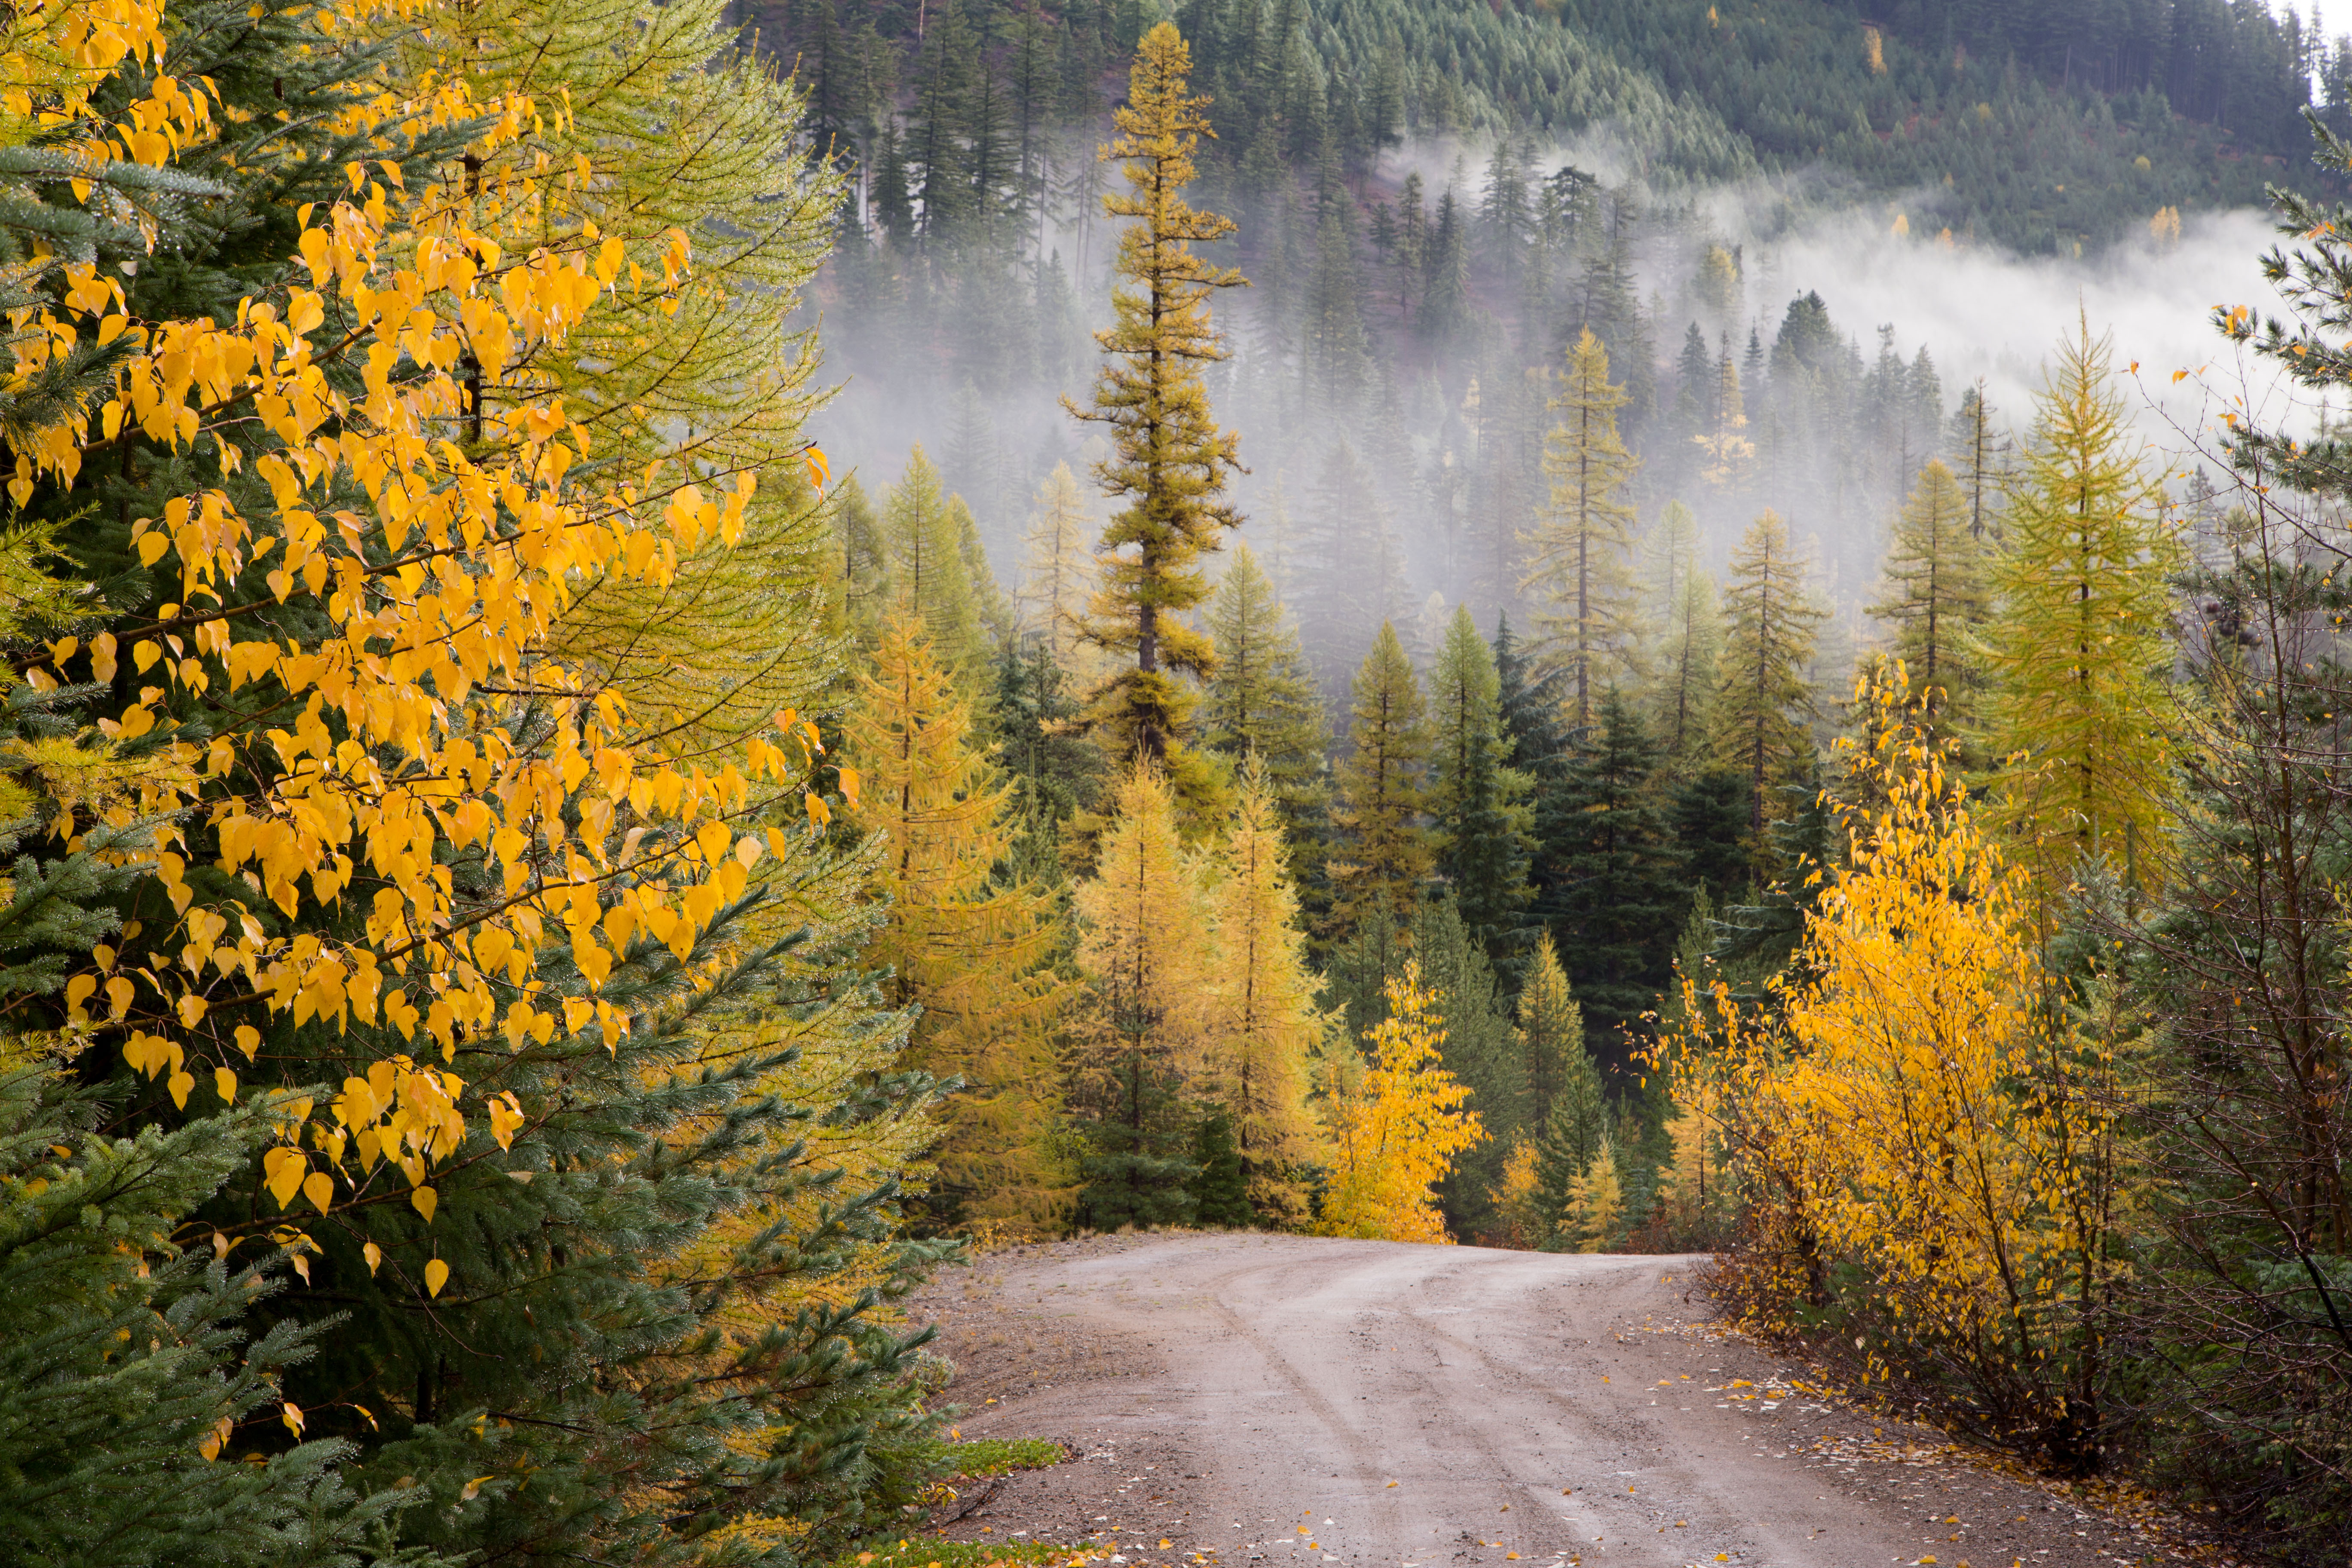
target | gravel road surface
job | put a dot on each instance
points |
(1247, 1399)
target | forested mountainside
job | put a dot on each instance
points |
(1432, 198)
(2046, 124)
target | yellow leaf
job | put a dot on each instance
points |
(180, 1083)
(225, 1085)
(473, 1488)
(437, 1273)
(282, 1170)
(425, 1200)
(291, 1414)
(375, 1256)
(320, 1188)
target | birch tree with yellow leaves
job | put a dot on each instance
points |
(1935, 1114)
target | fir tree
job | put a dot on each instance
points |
(1679, 600)
(121, 1367)
(1578, 562)
(1763, 702)
(1938, 598)
(1384, 853)
(866, 560)
(1612, 895)
(1477, 1046)
(1170, 457)
(2076, 651)
(1221, 1195)
(1475, 802)
(974, 953)
(1055, 773)
(1569, 1140)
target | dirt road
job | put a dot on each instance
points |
(1280, 1400)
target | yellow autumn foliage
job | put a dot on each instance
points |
(1396, 1133)
(1930, 1109)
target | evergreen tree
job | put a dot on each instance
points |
(1383, 856)
(1763, 702)
(1350, 570)
(1938, 598)
(1569, 1140)
(1055, 772)
(1478, 1048)
(2076, 651)
(1264, 1021)
(1613, 894)
(1220, 1190)
(1143, 948)
(120, 1372)
(1578, 562)
(866, 560)
(1679, 600)
(1169, 457)
(1476, 803)
(1057, 571)
(1979, 451)
(973, 952)
(1262, 704)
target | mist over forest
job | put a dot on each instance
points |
(1418, 266)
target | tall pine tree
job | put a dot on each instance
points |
(1938, 598)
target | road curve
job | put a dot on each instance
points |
(1322, 1402)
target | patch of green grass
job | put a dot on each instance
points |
(997, 1456)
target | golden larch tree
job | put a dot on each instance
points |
(1057, 567)
(975, 955)
(1263, 1019)
(1169, 458)
(1577, 562)
(2079, 720)
(1144, 947)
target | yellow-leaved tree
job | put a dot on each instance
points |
(1144, 948)
(975, 956)
(1395, 1134)
(1169, 457)
(1939, 1114)
(1263, 1021)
